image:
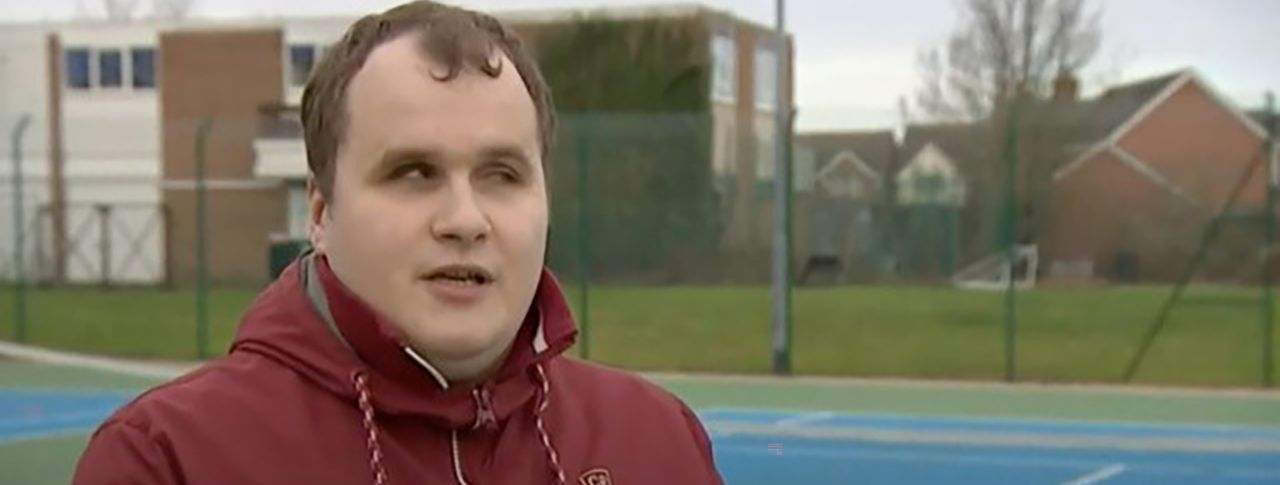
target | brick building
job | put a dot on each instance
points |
(147, 85)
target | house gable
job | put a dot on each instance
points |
(1199, 144)
(847, 175)
(930, 177)
(1186, 108)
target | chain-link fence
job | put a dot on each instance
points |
(1129, 259)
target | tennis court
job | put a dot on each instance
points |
(814, 431)
(823, 447)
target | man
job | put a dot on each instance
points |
(420, 342)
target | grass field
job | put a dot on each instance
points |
(1062, 334)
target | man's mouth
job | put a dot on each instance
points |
(460, 275)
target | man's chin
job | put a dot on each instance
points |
(462, 358)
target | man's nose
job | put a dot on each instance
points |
(461, 219)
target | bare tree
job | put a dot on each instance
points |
(172, 9)
(1001, 48)
(120, 9)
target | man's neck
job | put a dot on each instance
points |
(461, 372)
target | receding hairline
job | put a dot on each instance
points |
(458, 39)
(429, 70)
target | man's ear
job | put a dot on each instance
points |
(318, 216)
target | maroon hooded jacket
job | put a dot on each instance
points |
(314, 390)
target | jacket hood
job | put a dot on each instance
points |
(310, 322)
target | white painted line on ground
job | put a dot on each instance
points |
(1098, 476)
(47, 435)
(917, 457)
(25, 421)
(805, 418)
(932, 384)
(1252, 430)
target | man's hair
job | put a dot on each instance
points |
(452, 37)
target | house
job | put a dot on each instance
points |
(1159, 160)
(840, 194)
(121, 107)
(1121, 186)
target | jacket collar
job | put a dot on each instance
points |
(311, 322)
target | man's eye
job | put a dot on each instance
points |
(503, 174)
(413, 171)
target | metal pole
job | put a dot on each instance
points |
(104, 244)
(19, 236)
(1268, 283)
(202, 256)
(782, 195)
(584, 232)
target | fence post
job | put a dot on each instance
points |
(202, 290)
(1010, 240)
(42, 259)
(582, 145)
(780, 287)
(1268, 299)
(19, 236)
(104, 243)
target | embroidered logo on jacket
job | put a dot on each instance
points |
(598, 476)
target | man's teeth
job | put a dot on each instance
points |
(461, 279)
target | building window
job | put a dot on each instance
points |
(77, 68)
(302, 59)
(765, 156)
(724, 54)
(110, 69)
(299, 212)
(143, 67)
(766, 79)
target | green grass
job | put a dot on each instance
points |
(1062, 334)
(143, 323)
(43, 461)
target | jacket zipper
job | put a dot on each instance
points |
(485, 416)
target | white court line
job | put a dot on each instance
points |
(918, 457)
(1165, 426)
(805, 418)
(53, 419)
(1098, 476)
(1007, 461)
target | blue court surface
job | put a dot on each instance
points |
(28, 414)
(756, 447)
(759, 447)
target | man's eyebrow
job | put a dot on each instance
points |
(396, 156)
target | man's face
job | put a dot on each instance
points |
(439, 210)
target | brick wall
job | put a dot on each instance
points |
(1106, 208)
(1199, 145)
(226, 75)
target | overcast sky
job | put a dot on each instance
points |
(857, 57)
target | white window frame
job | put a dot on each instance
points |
(724, 68)
(90, 59)
(766, 166)
(155, 68)
(292, 81)
(126, 68)
(765, 97)
(298, 212)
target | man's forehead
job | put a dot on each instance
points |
(404, 62)
(400, 84)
